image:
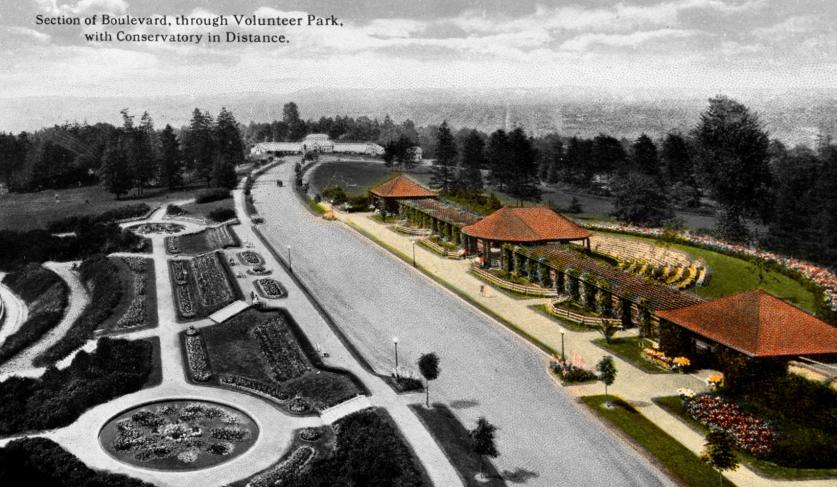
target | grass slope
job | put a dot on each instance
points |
(675, 458)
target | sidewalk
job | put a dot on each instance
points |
(632, 384)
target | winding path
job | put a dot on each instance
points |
(15, 311)
(78, 299)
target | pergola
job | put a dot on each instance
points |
(524, 226)
(385, 196)
(756, 324)
(586, 280)
(442, 217)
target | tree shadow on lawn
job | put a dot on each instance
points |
(519, 475)
(464, 403)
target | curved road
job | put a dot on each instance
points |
(544, 437)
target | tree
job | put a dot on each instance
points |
(445, 163)
(290, 117)
(522, 177)
(606, 155)
(473, 159)
(732, 158)
(575, 206)
(607, 373)
(199, 145)
(639, 199)
(171, 160)
(556, 162)
(482, 438)
(114, 172)
(428, 365)
(608, 329)
(719, 452)
(497, 156)
(229, 150)
(644, 156)
(676, 159)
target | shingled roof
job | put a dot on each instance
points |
(526, 225)
(757, 324)
(401, 187)
(443, 210)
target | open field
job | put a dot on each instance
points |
(731, 275)
(356, 177)
(202, 210)
(27, 211)
(680, 462)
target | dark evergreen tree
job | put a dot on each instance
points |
(556, 162)
(522, 178)
(444, 166)
(644, 156)
(640, 200)
(473, 159)
(792, 229)
(606, 155)
(732, 157)
(114, 172)
(676, 159)
(199, 145)
(171, 160)
(498, 158)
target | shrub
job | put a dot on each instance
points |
(335, 194)
(222, 214)
(209, 195)
(43, 462)
(68, 224)
(59, 397)
(175, 210)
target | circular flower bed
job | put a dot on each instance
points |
(299, 406)
(178, 435)
(310, 434)
(152, 228)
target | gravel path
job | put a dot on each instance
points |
(15, 311)
(544, 437)
(78, 300)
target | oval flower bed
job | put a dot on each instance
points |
(270, 288)
(178, 435)
(155, 228)
(249, 257)
(751, 434)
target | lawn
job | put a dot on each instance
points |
(27, 211)
(455, 441)
(680, 462)
(235, 350)
(674, 405)
(629, 350)
(206, 240)
(357, 176)
(731, 274)
(202, 210)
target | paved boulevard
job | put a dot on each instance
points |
(544, 437)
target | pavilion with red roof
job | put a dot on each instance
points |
(385, 196)
(524, 226)
(756, 324)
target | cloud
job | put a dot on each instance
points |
(81, 7)
(791, 26)
(28, 34)
(634, 39)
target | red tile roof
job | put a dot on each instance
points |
(526, 225)
(401, 187)
(757, 324)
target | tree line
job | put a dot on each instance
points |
(132, 156)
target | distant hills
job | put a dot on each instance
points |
(791, 116)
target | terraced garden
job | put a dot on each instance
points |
(264, 353)
(137, 307)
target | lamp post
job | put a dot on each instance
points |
(290, 265)
(395, 344)
(414, 252)
(563, 357)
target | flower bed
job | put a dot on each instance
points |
(137, 312)
(299, 405)
(180, 271)
(196, 357)
(283, 471)
(658, 358)
(279, 348)
(173, 245)
(253, 386)
(184, 302)
(156, 228)
(213, 287)
(571, 370)
(270, 288)
(249, 257)
(220, 237)
(179, 435)
(751, 434)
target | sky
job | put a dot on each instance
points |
(709, 44)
